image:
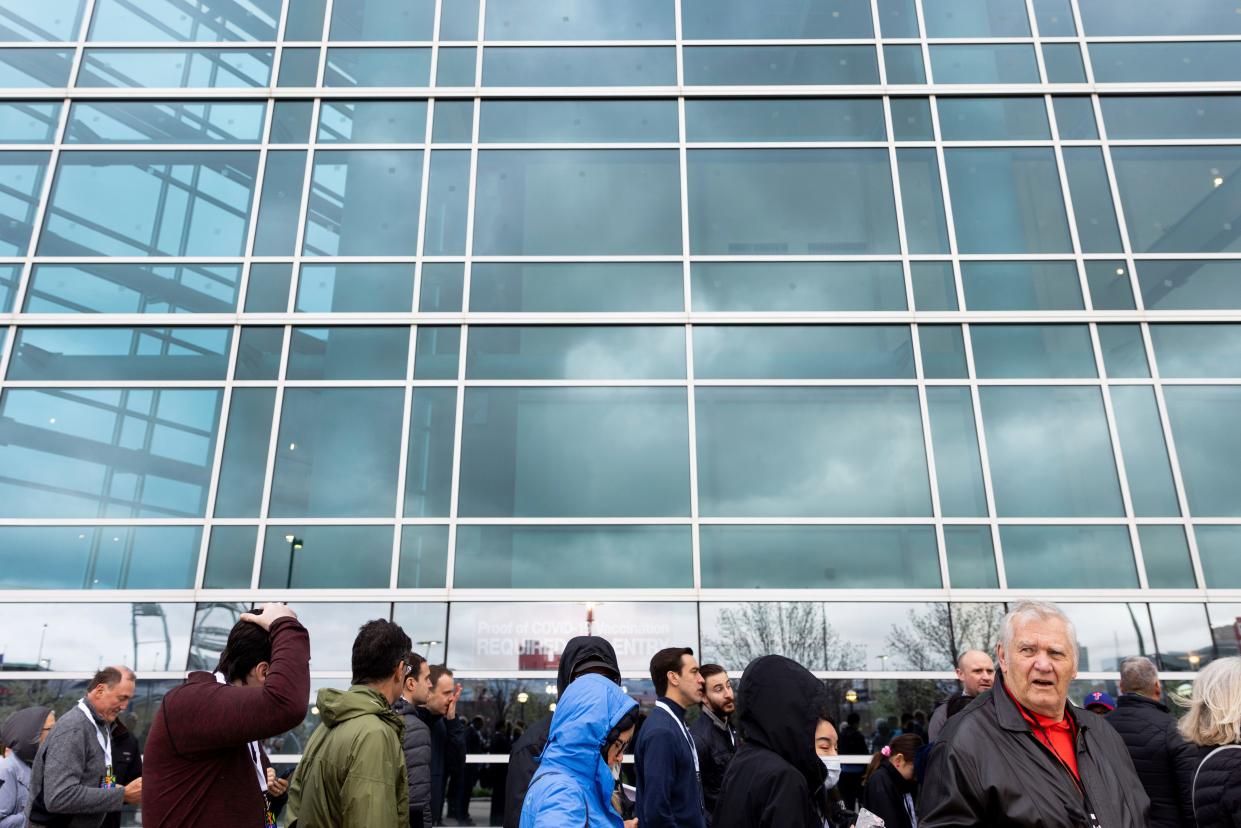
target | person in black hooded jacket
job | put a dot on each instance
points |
(774, 778)
(582, 655)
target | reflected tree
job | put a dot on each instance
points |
(934, 638)
(797, 630)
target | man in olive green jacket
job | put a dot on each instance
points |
(352, 773)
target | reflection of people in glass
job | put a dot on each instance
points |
(21, 735)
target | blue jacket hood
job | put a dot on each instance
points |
(590, 707)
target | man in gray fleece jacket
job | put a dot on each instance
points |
(72, 782)
(417, 740)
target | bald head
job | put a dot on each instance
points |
(976, 672)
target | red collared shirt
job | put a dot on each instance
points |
(1059, 737)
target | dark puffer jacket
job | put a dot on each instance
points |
(716, 743)
(524, 760)
(989, 769)
(1217, 792)
(417, 746)
(1165, 762)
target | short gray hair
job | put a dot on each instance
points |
(1138, 675)
(1024, 611)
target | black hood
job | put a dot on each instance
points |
(778, 708)
(21, 730)
(579, 652)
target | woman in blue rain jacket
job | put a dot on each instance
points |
(572, 788)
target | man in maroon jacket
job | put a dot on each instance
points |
(204, 765)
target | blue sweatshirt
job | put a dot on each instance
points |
(669, 791)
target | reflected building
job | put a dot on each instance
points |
(822, 328)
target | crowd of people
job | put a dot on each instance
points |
(1010, 749)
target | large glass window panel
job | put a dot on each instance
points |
(137, 122)
(911, 119)
(577, 202)
(332, 628)
(35, 68)
(1165, 551)
(1146, 456)
(355, 287)
(573, 557)
(1224, 620)
(115, 453)
(377, 66)
(41, 20)
(1033, 351)
(1075, 119)
(1197, 350)
(9, 276)
(1150, 17)
(28, 122)
(456, 67)
(153, 203)
(579, 65)
(348, 352)
(21, 183)
(290, 121)
(230, 557)
(1068, 557)
(585, 287)
(1208, 445)
(495, 635)
(258, 353)
(837, 452)
(132, 288)
(120, 354)
(338, 452)
(244, 464)
(1124, 351)
(1171, 116)
(934, 286)
(428, 473)
(299, 67)
(958, 466)
(175, 68)
(903, 64)
(1093, 207)
(740, 19)
(1110, 287)
(1107, 634)
(1027, 286)
(99, 557)
(566, 121)
(163, 631)
(454, 122)
(438, 352)
(280, 205)
(326, 557)
(1184, 635)
(1054, 18)
(373, 122)
(797, 286)
(383, 20)
(577, 352)
(1172, 284)
(784, 119)
(780, 65)
(364, 202)
(824, 557)
(306, 23)
(459, 20)
(1166, 62)
(898, 18)
(424, 560)
(972, 63)
(1063, 62)
(443, 285)
(943, 352)
(448, 190)
(791, 201)
(922, 200)
(1007, 200)
(160, 20)
(267, 290)
(579, 20)
(971, 557)
(1000, 119)
(574, 452)
(975, 18)
(1050, 452)
(803, 352)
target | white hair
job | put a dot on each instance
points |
(1024, 611)
(1138, 675)
(1214, 716)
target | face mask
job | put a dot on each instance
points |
(615, 773)
(832, 763)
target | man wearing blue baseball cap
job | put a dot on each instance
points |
(1099, 702)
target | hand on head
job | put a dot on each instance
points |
(267, 614)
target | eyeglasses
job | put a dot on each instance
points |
(621, 744)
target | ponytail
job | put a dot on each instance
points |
(906, 745)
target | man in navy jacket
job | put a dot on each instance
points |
(669, 788)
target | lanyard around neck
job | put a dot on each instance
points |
(684, 732)
(102, 734)
(256, 755)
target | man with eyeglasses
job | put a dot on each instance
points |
(714, 736)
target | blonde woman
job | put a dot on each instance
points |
(1214, 724)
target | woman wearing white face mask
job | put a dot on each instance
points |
(831, 808)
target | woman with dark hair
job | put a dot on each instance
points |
(890, 782)
(593, 724)
(22, 733)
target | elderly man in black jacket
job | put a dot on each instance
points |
(1020, 756)
(417, 739)
(1165, 762)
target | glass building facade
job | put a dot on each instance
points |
(824, 327)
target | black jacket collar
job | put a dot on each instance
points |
(1135, 699)
(1010, 717)
(721, 724)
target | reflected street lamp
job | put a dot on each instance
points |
(295, 543)
(522, 698)
(430, 642)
